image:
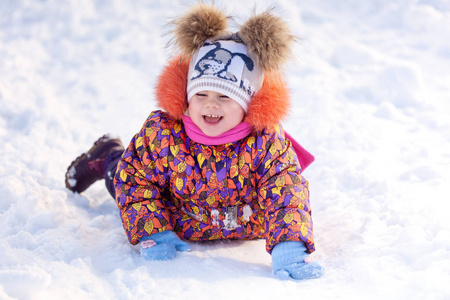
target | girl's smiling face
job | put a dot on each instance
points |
(215, 113)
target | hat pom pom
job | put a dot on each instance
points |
(200, 23)
(269, 38)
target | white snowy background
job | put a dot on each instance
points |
(371, 100)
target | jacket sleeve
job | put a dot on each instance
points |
(140, 182)
(284, 195)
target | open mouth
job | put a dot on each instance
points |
(212, 118)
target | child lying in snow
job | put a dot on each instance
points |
(216, 164)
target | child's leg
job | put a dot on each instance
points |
(110, 167)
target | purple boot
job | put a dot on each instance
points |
(89, 167)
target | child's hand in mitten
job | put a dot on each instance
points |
(289, 259)
(162, 246)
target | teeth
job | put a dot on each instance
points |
(212, 116)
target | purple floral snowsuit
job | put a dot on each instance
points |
(248, 189)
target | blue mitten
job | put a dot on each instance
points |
(288, 259)
(162, 246)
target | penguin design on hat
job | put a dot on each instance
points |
(218, 60)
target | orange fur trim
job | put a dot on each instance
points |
(171, 88)
(269, 106)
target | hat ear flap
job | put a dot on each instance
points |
(270, 105)
(200, 23)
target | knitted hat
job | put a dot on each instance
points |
(244, 65)
(230, 63)
(226, 67)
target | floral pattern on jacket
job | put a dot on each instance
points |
(248, 189)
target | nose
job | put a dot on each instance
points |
(212, 102)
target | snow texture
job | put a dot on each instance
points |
(370, 90)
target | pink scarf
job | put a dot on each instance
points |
(239, 132)
(196, 134)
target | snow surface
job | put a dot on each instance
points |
(371, 89)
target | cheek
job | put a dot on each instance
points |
(241, 114)
(238, 112)
(193, 109)
(238, 117)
